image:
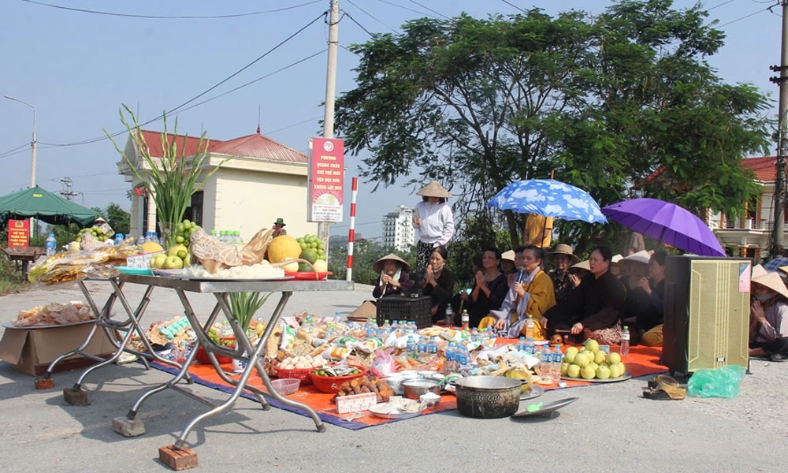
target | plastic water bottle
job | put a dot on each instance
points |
(529, 346)
(624, 341)
(118, 239)
(215, 233)
(449, 316)
(545, 365)
(449, 367)
(422, 348)
(432, 347)
(555, 363)
(141, 240)
(529, 327)
(51, 245)
(466, 319)
(411, 347)
(386, 327)
(521, 344)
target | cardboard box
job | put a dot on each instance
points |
(356, 402)
(31, 350)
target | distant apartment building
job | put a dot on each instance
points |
(398, 230)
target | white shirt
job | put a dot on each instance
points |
(437, 223)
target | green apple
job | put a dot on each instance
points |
(573, 371)
(571, 353)
(603, 372)
(587, 372)
(582, 360)
(599, 357)
(157, 260)
(614, 358)
(593, 366)
(564, 368)
(173, 250)
(616, 370)
(173, 262)
(187, 261)
(592, 345)
(182, 254)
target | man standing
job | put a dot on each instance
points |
(279, 228)
(538, 231)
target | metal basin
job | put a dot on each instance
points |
(414, 388)
(488, 397)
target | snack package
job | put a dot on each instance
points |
(288, 339)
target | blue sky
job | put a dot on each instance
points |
(77, 69)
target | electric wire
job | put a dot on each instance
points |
(14, 150)
(430, 9)
(744, 17)
(178, 17)
(359, 24)
(176, 109)
(405, 8)
(371, 16)
(515, 6)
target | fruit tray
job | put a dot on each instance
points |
(309, 275)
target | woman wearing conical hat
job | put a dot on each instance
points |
(433, 221)
(769, 317)
(394, 280)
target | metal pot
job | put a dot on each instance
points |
(414, 388)
(488, 397)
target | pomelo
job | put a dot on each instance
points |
(283, 247)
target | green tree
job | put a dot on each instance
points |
(604, 101)
(118, 219)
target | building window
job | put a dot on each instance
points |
(194, 211)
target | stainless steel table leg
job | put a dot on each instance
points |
(189, 359)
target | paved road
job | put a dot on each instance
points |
(610, 427)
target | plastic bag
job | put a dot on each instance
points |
(720, 382)
(384, 363)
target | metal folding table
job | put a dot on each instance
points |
(129, 326)
(244, 350)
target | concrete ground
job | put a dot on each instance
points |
(610, 428)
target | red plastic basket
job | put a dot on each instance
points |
(202, 357)
(330, 384)
(299, 373)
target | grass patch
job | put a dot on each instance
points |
(11, 280)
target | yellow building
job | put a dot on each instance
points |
(263, 180)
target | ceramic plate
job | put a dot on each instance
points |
(536, 391)
(168, 272)
(546, 408)
(135, 271)
(379, 410)
(623, 377)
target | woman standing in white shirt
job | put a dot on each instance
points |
(433, 221)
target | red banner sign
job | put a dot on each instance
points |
(326, 180)
(18, 233)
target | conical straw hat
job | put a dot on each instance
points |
(378, 266)
(773, 282)
(434, 189)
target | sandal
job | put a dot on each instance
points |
(662, 379)
(665, 392)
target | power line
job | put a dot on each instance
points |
(515, 6)
(721, 4)
(404, 8)
(746, 16)
(179, 17)
(4, 153)
(371, 16)
(173, 110)
(359, 24)
(430, 9)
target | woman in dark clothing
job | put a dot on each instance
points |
(593, 309)
(394, 279)
(488, 291)
(438, 283)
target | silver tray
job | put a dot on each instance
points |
(623, 377)
(283, 278)
(536, 391)
(36, 327)
(376, 411)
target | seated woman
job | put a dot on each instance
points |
(769, 317)
(594, 309)
(531, 294)
(634, 269)
(488, 291)
(394, 278)
(438, 283)
(649, 314)
(563, 282)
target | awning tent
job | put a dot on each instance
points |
(45, 206)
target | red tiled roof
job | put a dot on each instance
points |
(259, 146)
(765, 168)
(252, 146)
(153, 140)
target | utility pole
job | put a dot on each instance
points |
(782, 139)
(68, 193)
(331, 85)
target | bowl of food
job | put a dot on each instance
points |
(431, 399)
(329, 379)
(415, 388)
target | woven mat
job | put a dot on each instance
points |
(641, 361)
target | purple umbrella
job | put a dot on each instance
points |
(666, 222)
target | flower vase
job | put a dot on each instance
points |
(168, 234)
